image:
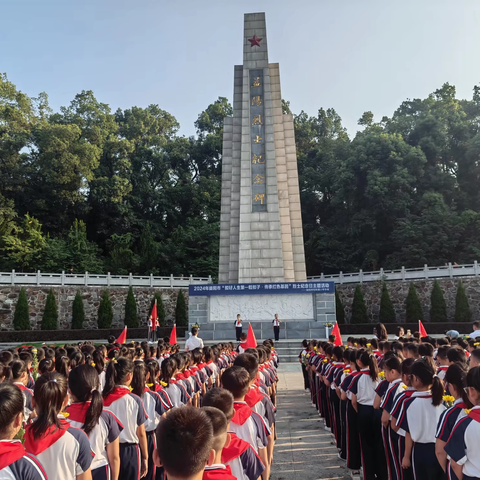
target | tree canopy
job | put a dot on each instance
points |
(91, 189)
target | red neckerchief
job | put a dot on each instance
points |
(252, 397)
(242, 413)
(243, 345)
(10, 452)
(461, 405)
(443, 368)
(194, 369)
(187, 373)
(22, 387)
(235, 449)
(210, 362)
(180, 376)
(201, 365)
(35, 445)
(475, 414)
(78, 411)
(219, 474)
(117, 393)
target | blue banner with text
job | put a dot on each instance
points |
(262, 288)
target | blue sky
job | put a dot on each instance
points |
(352, 55)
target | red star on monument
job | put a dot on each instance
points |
(255, 41)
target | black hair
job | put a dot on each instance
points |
(456, 375)
(236, 380)
(407, 366)
(442, 352)
(473, 378)
(49, 392)
(185, 433)
(11, 404)
(475, 354)
(138, 379)
(5, 372)
(219, 424)
(18, 368)
(76, 358)
(369, 361)
(382, 333)
(46, 365)
(62, 365)
(249, 363)
(220, 398)
(26, 356)
(412, 348)
(456, 355)
(99, 361)
(83, 383)
(424, 371)
(338, 353)
(304, 343)
(117, 372)
(168, 369)
(399, 329)
(153, 370)
(393, 362)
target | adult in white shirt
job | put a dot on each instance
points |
(476, 330)
(238, 327)
(276, 327)
(193, 342)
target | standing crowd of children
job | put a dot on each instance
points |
(404, 409)
(109, 412)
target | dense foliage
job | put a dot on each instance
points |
(359, 309)
(21, 317)
(131, 311)
(387, 312)
(78, 311)
(50, 314)
(88, 189)
(438, 306)
(463, 313)
(414, 310)
(105, 311)
(339, 308)
(181, 316)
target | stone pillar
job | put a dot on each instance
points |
(261, 237)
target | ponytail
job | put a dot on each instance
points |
(168, 368)
(152, 369)
(423, 370)
(138, 380)
(94, 411)
(117, 372)
(456, 375)
(99, 361)
(437, 391)
(368, 360)
(62, 365)
(49, 392)
(5, 372)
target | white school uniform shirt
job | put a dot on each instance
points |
(175, 394)
(276, 323)
(155, 408)
(25, 468)
(420, 418)
(193, 342)
(254, 430)
(106, 431)
(475, 334)
(462, 446)
(101, 381)
(365, 388)
(130, 410)
(238, 323)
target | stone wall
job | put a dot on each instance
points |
(398, 291)
(37, 297)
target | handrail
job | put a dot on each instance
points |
(93, 280)
(422, 273)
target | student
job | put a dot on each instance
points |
(102, 426)
(462, 446)
(215, 468)
(129, 409)
(184, 443)
(456, 380)
(276, 327)
(475, 358)
(175, 390)
(247, 424)
(20, 378)
(244, 462)
(442, 361)
(238, 327)
(419, 417)
(369, 424)
(64, 451)
(242, 346)
(15, 463)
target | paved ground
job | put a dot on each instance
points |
(303, 450)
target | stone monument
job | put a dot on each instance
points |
(261, 236)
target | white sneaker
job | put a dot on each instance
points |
(307, 390)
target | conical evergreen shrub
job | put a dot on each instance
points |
(181, 310)
(78, 312)
(50, 314)
(387, 312)
(105, 311)
(462, 308)
(414, 311)
(131, 311)
(160, 308)
(21, 317)
(438, 306)
(339, 308)
(359, 309)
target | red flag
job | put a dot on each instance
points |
(338, 336)
(421, 328)
(173, 335)
(154, 316)
(122, 338)
(251, 340)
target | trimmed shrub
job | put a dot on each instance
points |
(160, 308)
(131, 311)
(359, 309)
(438, 307)
(181, 310)
(414, 311)
(78, 312)
(462, 308)
(339, 308)
(387, 312)
(50, 314)
(21, 317)
(105, 311)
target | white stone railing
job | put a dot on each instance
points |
(91, 280)
(425, 273)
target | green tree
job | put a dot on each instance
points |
(387, 312)
(359, 309)
(462, 308)
(181, 316)
(50, 314)
(78, 312)
(414, 311)
(21, 317)
(131, 311)
(438, 307)
(105, 311)
(161, 314)
(339, 308)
